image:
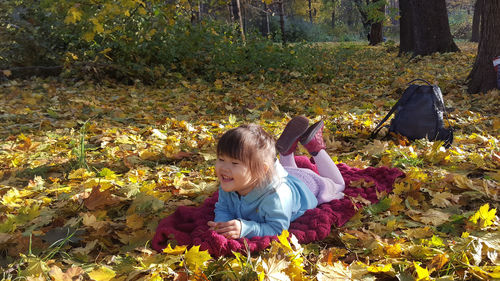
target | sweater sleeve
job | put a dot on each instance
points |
(223, 208)
(276, 212)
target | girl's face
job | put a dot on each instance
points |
(234, 175)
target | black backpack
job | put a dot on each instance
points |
(419, 114)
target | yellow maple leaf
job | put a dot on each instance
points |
(176, 251)
(436, 242)
(102, 274)
(393, 250)
(195, 258)
(422, 273)
(80, 174)
(495, 272)
(283, 238)
(379, 268)
(485, 216)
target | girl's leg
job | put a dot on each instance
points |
(288, 160)
(327, 168)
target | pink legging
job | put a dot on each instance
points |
(324, 163)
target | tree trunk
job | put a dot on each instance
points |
(483, 77)
(476, 21)
(200, 10)
(425, 28)
(376, 35)
(361, 4)
(234, 10)
(333, 14)
(405, 27)
(372, 22)
(244, 16)
(265, 20)
(282, 21)
(241, 21)
(230, 14)
(350, 13)
(310, 11)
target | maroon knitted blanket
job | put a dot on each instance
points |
(188, 225)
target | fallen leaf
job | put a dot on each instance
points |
(196, 259)
(444, 199)
(102, 273)
(99, 200)
(422, 273)
(7, 72)
(335, 271)
(431, 216)
(57, 274)
(438, 262)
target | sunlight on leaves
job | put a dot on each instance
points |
(194, 258)
(102, 273)
(485, 216)
(422, 273)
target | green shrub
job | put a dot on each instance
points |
(29, 35)
(149, 45)
(299, 30)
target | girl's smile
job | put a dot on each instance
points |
(233, 175)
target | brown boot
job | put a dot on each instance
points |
(287, 142)
(312, 139)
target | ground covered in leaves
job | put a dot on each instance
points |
(88, 169)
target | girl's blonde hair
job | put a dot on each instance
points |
(253, 146)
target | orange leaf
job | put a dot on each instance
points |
(98, 199)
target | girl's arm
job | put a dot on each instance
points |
(224, 207)
(276, 212)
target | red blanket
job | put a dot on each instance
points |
(188, 225)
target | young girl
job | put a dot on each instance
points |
(260, 196)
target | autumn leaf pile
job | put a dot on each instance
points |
(88, 169)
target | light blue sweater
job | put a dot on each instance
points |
(266, 210)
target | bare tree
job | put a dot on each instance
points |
(482, 78)
(265, 20)
(242, 28)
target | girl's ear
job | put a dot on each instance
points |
(266, 167)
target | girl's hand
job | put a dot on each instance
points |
(230, 229)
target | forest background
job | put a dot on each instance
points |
(110, 112)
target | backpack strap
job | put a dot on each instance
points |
(406, 95)
(379, 126)
(418, 79)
